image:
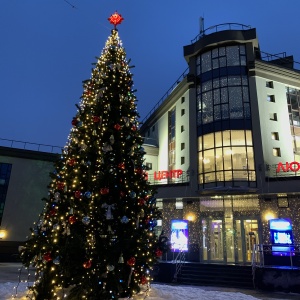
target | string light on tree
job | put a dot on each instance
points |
(96, 235)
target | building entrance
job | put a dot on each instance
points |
(247, 236)
(222, 242)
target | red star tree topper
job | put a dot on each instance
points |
(115, 19)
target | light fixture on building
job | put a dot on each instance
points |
(269, 216)
(191, 217)
(179, 203)
(3, 234)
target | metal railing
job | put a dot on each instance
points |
(268, 255)
(179, 261)
(30, 146)
(167, 93)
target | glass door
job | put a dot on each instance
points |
(247, 236)
(213, 242)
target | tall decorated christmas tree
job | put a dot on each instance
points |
(95, 237)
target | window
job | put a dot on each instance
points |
(148, 166)
(179, 203)
(182, 146)
(182, 100)
(273, 116)
(182, 160)
(182, 112)
(275, 136)
(182, 128)
(269, 84)
(5, 171)
(271, 98)
(159, 203)
(276, 152)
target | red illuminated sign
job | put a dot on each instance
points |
(159, 175)
(293, 166)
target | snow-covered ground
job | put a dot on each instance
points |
(156, 292)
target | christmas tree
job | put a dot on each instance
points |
(95, 237)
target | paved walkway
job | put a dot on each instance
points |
(11, 272)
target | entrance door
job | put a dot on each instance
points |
(247, 236)
(212, 240)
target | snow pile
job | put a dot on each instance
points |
(157, 292)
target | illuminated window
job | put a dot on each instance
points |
(275, 136)
(276, 152)
(226, 156)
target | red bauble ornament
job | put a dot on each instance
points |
(115, 19)
(77, 194)
(52, 212)
(139, 171)
(142, 201)
(47, 256)
(133, 128)
(74, 122)
(104, 191)
(144, 280)
(117, 126)
(72, 219)
(158, 253)
(71, 162)
(122, 194)
(121, 166)
(131, 261)
(60, 185)
(96, 119)
(87, 264)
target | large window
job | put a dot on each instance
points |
(224, 118)
(5, 170)
(223, 92)
(226, 156)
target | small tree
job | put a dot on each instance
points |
(95, 235)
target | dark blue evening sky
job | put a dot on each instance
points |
(48, 47)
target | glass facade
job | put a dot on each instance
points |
(225, 149)
(5, 170)
(293, 102)
(171, 138)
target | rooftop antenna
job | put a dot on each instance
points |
(201, 20)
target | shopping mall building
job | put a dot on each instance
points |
(223, 148)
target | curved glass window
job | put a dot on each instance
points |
(226, 156)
